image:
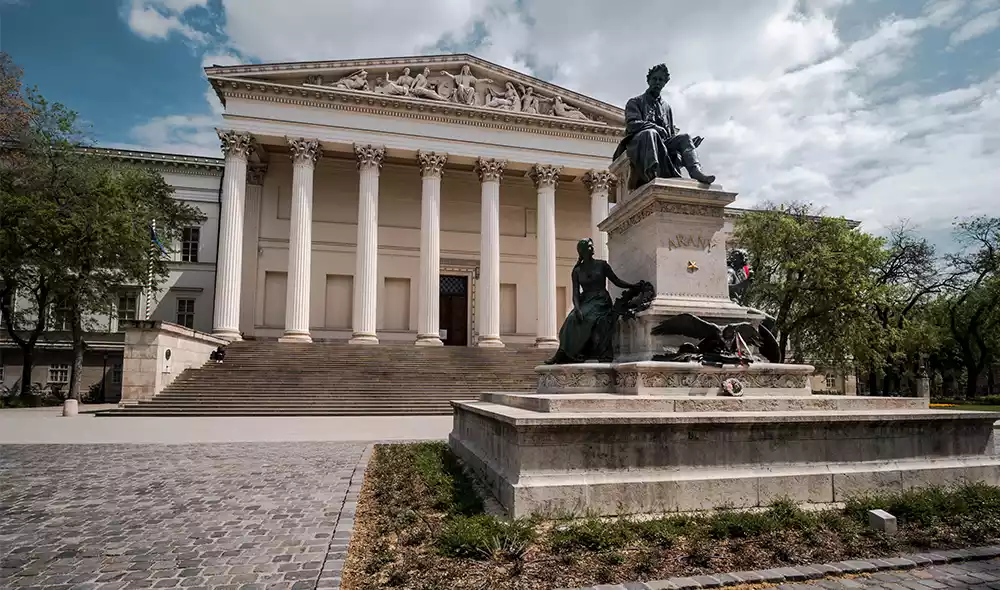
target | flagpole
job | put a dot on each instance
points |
(149, 274)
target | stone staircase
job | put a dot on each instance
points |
(265, 378)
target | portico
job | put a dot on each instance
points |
(369, 207)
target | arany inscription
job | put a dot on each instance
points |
(690, 242)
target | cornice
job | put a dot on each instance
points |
(377, 104)
(316, 67)
(181, 164)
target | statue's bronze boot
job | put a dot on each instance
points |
(694, 168)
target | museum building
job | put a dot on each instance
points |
(431, 200)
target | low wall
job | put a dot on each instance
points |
(156, 353)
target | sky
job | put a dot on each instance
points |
(883, 111)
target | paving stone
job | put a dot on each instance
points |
(748, 577)
(685, 583)
(182, 516)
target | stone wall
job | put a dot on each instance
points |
(156, 353)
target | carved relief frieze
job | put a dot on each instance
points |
(575, 380)
(761, 379)
(462, 88)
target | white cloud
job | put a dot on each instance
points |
(157, 19)
(181, 134)
(977, 27)
(792, 108)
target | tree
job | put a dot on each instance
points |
(74, 229)
(907, 277)
(814, 275)
(973, 305)
(13, 108)
(105, 242)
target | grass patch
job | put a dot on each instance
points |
(421, 525)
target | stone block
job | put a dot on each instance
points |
(882, 521)
(815, 488)
(576, 378)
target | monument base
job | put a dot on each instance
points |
(680, 445)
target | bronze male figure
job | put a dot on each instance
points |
(654, 146)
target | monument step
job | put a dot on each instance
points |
(599, 402)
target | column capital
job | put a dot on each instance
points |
(544, 175)
(255, 174)
(598, 180)
(490, 169)
(235, 143)
(431, 163)
(369, 155)
(304, 150)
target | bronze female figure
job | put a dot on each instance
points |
(587, 331)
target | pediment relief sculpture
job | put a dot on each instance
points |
(463, 88)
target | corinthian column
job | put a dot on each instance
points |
(226, 321)
(429, 298)
(488, 307)
(305, 152)
(366, 269)
(545, 179)
(598, 182)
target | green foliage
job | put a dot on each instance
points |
(484, 536)
(930, 506)
(74, 229)
(592, 534)
(665, 531)
(451, 491)
(814, 275)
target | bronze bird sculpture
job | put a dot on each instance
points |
(717, 344)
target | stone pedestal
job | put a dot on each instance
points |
(670, 233)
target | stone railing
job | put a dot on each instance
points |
(156, 353)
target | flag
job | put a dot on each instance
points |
(156, 240)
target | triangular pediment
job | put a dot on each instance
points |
(461, 81)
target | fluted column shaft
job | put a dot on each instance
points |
(226, 320)
(251, 234)
(366, 262)
(429, 295)
(488, 306)
(598, 183)
(545, 179)
(305, 152)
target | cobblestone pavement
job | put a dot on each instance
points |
(850, 575)
(243, 515)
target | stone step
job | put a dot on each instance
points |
(612, 403)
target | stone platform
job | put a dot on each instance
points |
(663, 449)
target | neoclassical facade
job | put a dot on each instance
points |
(364, 203)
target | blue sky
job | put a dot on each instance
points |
(874, 109)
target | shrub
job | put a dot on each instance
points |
(483, 536)
(928, 506)
(450, 490)
(592, 534)
(663, 531)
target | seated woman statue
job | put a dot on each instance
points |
(588, 329)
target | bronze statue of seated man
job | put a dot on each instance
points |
(654, 146)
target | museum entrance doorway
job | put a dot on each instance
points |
(454, 320)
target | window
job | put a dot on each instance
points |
(831, 382)
(58, 373)
(116, 374)
(128, 306)
(189, 244)
(62, 318)
(2, 373)
(185, 313)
